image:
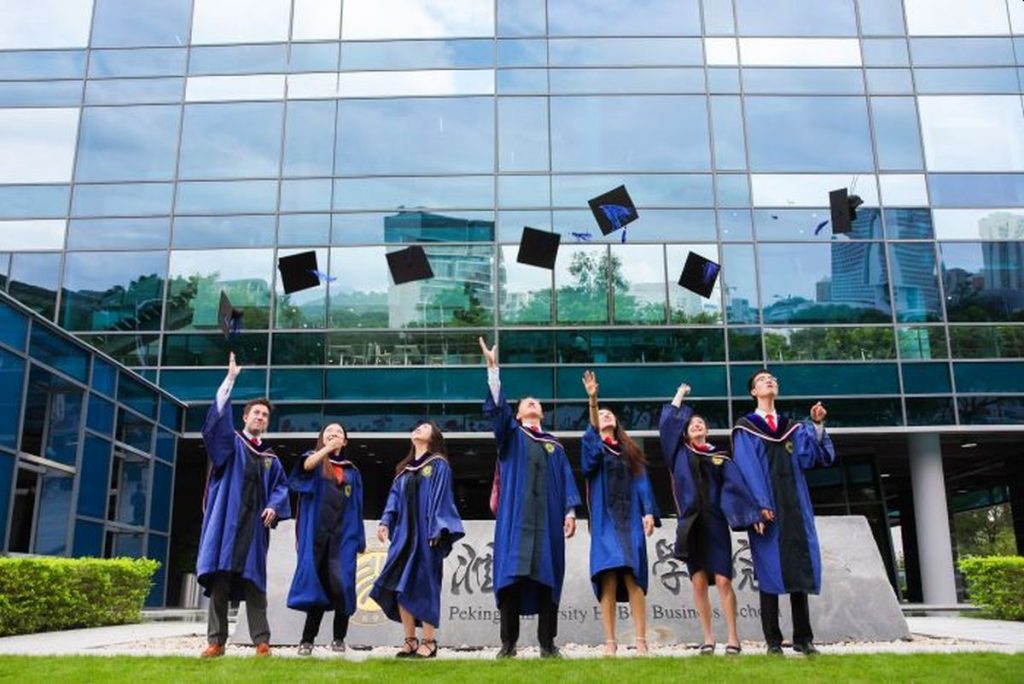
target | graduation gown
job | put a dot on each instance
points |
(329, 534)
(710, 496)
(786, 557)
(420, 507)
(243, 481)
(618, 501)
(537, 492)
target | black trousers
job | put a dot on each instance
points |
(312, 627)
(547, 617)
(770, 618)
(255, 610)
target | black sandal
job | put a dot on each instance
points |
(412, 644)
(431, 644)
(707, 649)
(733, 650)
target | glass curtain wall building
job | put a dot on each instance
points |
(154, 153)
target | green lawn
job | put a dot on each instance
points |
(873, 669)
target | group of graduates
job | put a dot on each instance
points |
(758, 486)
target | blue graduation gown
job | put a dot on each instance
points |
(420, 507)
(786, 557)
(618, 501)
(537, 492)
(319, 545)
(710, 496)
(233, 538)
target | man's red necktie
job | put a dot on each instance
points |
(770, 419)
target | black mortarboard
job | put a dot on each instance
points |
(844, 209)
(299, 272)
(699, 274)
(229, 319)
(538, 248)
(409, 264)
(613, 210)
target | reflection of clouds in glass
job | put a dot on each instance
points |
(989, 224)
(24, 236)
(833, 134)
(796, 18)
(358, 269)
(45, 24)
(973, 133)
(118, 143)
(316, 19)
(957, 18)
(221, 88)
(103, 271)
(231, 140)
(623, 17)
(392, 83)
(808, 190)
(384, 19)
(240, 21)
(37, 145)
(520, 277)
(800, 52)
(229, 264)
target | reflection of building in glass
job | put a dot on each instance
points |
(823, 290)
(461, 293)
(858, 275)
(1003, 261)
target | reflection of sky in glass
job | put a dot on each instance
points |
(623, 17)
(45, 24)
(796, 18)
(973, 133)
(385, 19)
(37, 145)
(953, 17)
(833, 134)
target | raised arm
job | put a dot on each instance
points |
(672, 424)
(816, 449)
(219, 430)
(591, 386)
(503, 421)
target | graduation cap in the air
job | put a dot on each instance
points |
(613, 210)
(409, 264)
(699, 274)
(229, 319)
(844, 209)
(538, 248)
(299, 272)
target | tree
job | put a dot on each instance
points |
(985, 532)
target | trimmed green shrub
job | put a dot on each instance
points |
(997, 584)
(47, 594)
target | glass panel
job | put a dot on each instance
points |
(54, 513)
(581, 278)
(922, 343)
(522, 53)
(159, 514)
(41, 94)
(881, 17)
(394, 193)
(155, 62)
(12, 378)
(59, 352)
(42, 64)
(223, 231)
(930, 411)
(166, 441)
(53, 416)
(984, 281)
(949, 17)
(647, 190)
(94, 476)
(309, 138)
(131, 350)
(198, 277)
(836, 124)
(461, 293)
(885, 52)
(976, 189)
(217, 21)
(738, 279)
(303, 229)
(834, 283)
(23, 236)
(132, 485)
(34, 201)
(314, 57)
(745, 344)
(521, 17)
(525, 290)
(897, 139)
(37, 145)
(241, 140)
(238, 59)
(727, 123)
(796, 18)
(134, 394)
(523, 134)
(813, 225)
(316, 19)
(973, 133)
(627, 383)
(889, 81)
(46, 24)
(524, 191)
(104, 376)
(625, 52)
(840, 379)
(230, 197)
(88, 540)
(828, 344)
(733, 191)
(372, 20)
(638, 283)
(908, 224)
(129, 23)
(989, 377)
(966, 80)
(33, 281)
(306, 308)
(915, 283)
(418, 54)
(979, 342)
(990, 410)
(528, 346)
(693, 345)
(100, 416)
(135, 91)
(113, 290)
(803, 81)
(359, 298)
(135, 199)
(637, 133)
(453, 136)
(213, 350)
(201, 385)
(926, 378)
(718, 17)
(630, 18)
(961, 51)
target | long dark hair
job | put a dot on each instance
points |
(325, 465)
(634, 457)
(686, 428)
(435, 445)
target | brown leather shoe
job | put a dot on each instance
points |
(262, 650)
(212, 651)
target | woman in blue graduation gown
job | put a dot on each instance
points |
(710, 497)
(330, 535)
(422, 523)
(622, 516)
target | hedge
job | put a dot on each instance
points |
(46, 594)
(997, 584)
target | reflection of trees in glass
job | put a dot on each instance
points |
(1003, 341)
(829, 343)
(795, 309)
(193, 301)
(585, 298)
(457, 305)
(136, 307)
(985, 532)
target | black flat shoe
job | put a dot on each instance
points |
(805, 647)
(774, 649)
(550, 652)
(431, 645)
(507, 651)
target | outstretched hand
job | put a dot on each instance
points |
(233, 368)
(590, 383)
(491, 355)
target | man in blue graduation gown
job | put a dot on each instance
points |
(772, 452)
(536, 507)
(246, 495)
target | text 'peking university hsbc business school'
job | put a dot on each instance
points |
(154, 155)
